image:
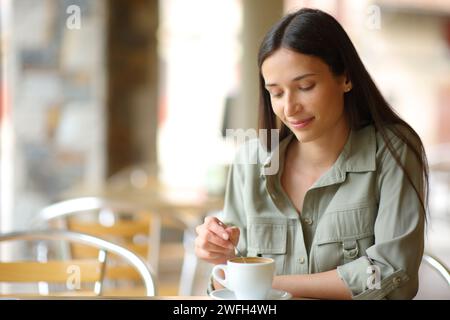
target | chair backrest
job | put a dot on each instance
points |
(117, 221)
(89, 270)
(129, 224)
(439, 266)
(434, 279)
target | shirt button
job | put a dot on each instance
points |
(308, 221)
(397, 280)
(301, 260)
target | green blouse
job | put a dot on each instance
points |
(362, 216)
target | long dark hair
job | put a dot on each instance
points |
(314, 32)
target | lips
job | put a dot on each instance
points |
(298, 122)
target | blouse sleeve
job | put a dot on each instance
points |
(390, 269)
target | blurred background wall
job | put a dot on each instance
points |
(54, 130)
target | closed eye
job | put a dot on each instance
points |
(280, 94)
(307, 88)
(276, 95)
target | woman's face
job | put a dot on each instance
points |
(305, 94)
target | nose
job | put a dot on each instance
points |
(291, 105)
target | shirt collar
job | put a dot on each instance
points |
(358, 154)
(271, 159)
(360, 150)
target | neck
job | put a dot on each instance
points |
(322, 152)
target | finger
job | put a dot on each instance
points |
(234, 233)
(212, 223)
(204, 232)
(218, 227)
(198, 229)
(211, 247)
(208, 236)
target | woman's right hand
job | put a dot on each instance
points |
(215, 241)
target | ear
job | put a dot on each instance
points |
(347, 83)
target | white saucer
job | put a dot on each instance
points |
(225, 294)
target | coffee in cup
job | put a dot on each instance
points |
(250, 278)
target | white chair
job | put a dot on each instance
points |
(126, 223)
(438, 266)
(59, 271)
(434, 279)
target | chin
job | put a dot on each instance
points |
(304, 137)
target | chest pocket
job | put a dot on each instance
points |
(343, 236)
(267, 237)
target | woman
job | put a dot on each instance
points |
(344, 217)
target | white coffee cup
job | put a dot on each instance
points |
(250, 278)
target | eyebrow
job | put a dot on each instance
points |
(295, 79)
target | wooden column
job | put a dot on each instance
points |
(258, 17)
(132, 83)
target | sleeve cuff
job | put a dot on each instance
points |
(356, 275)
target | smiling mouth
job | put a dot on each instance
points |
(301, 123)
